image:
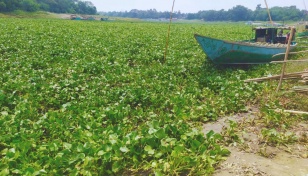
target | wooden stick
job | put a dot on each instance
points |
(301, 46)
(167, 40)
(301, 87)
(279, 54)
(305, 60)
(292, 111)
(301, 91)
(269, 14)
(269, 78)
(302, 37)
(285, 59)
(296, 74)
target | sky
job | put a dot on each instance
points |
(189, 6)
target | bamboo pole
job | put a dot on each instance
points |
(290, 53)
(292, 111)
(300, 90)
(268, 11)
(167, 41)
(289, 75)
(303, 37)
(285, 59)
(301, 46)
(305, 60)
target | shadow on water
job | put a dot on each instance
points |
(233, 66)
(228, 67)
(214, 76)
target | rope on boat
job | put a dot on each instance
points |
(167, 41)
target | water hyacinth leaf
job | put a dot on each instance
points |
(149, 150)
(160, 133)
(67, 145)
(107, 156)
(113, 139)
(152, 131)
(116, 166)
(30, 170)
(124, 149)
(11, 153)
(16, 171)
(154, 164)
(158, 154)
(80, 148)
(101, 152)
(5, 172)
(225, 152)
(40, 172)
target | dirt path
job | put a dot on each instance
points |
(242, 163)
(253, 158)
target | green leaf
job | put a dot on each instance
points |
(80, 148)
(158, 173)
(5, 171)
(149, 150)
(40, 172)
(30, 170)
(154, 164)
(67, 145)
(160, 133)
(116, 166)
(152, 130)
(124, 149)
(101, 152)
(225, 152)
(158, 155)
(210, 134)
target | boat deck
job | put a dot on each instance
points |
(262, 44)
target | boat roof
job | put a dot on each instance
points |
(272, 27)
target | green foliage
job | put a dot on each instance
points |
(57, 6)
(273, 137)
(29, 5)
(277, 126)
(241, 13)
(237, 13)
(95, 98)
(231, 133)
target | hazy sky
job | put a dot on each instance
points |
(189, 5)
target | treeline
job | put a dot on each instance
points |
(144, 14)
(237, 13)
(56, 6)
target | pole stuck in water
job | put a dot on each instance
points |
(167, 40)
(285, 59)
(268, 11)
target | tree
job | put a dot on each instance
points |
(258, 7)
(29, 5)
(85, 7)
(57, 6)
(2, 6)
(10, 5)
(240, 13)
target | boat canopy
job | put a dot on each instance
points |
(281, 27)
(271, 34)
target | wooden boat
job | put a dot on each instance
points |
(262, 49)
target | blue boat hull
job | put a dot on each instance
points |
(225, 52)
